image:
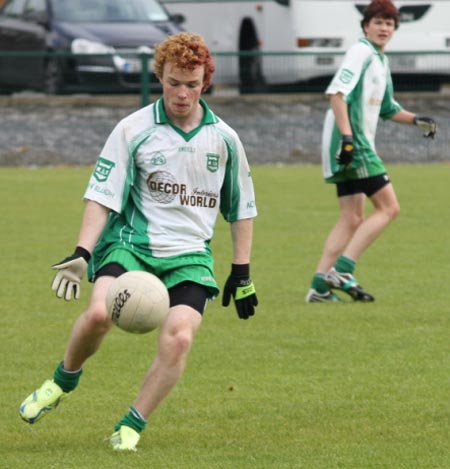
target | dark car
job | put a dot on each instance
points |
(121, 29)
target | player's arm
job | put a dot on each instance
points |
(340, 110)
(94, 220)
(239, 285)
(72, 269)
(403, 117)
(242, 238)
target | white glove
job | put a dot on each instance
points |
(427, 124)
(70, 272)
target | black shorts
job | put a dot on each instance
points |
(185, 293)
(368, 186)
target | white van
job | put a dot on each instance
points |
(304, 40)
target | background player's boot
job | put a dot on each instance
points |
(42, 401)
(314, 296)
(348, 284)
(124, 439)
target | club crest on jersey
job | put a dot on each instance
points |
(158, 159)
(103, 169)
(346, 76)
(212, 162)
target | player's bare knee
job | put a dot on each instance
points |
(97, 317)
(353, 220)
(394, 211)
(181, 342)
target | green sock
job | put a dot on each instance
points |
(66, 380)
(133, 419)
(319, 284)
(345, 265)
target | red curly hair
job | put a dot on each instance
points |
(185, 51)
(382, 9)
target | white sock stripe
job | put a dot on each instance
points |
(137, 414)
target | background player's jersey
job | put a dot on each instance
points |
(165, 187)
(365, 81)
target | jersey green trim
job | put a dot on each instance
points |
(138, 140)
(230, 192)
(355, 105)
(389, 107)
(356, 113)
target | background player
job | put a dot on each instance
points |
(359, 93)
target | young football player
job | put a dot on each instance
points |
(164, 174)
(360, 92)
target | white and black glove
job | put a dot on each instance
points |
(427, 124)
(70, 272)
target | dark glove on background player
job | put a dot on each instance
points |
(345, 157)
(241, 288)
(427, 124)
(70, 272)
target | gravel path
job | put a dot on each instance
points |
(40, 130)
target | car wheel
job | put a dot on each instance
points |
(53, 82)
(251, 69)
(250, 61)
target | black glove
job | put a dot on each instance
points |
(345, 157)
(242, 289)
(70, 272)
(427, 124)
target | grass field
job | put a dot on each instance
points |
(297, 386)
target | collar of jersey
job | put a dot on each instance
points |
(161, 116)
(364, 40)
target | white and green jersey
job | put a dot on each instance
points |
(365, 81)
(165, 187)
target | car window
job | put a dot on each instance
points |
(14, 8)
(107, 11)
(35, 6)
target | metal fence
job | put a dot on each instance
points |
(28, 62)
(311, 72)
(249, 72)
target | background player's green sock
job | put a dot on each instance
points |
(345, 265)
(319, 284)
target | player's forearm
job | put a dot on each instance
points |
(242, 237)
(340, 111)
(94, 220)
(403, 117)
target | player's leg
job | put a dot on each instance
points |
(87, 334)
(386, 208)
(350, 219)
(90, 328)
(175, 340)
(174, 345)
(351, 216)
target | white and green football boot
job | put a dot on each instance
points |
(42, 401)
(348, 284)
(313, 296)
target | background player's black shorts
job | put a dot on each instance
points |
(368, 186)
(185, 293)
